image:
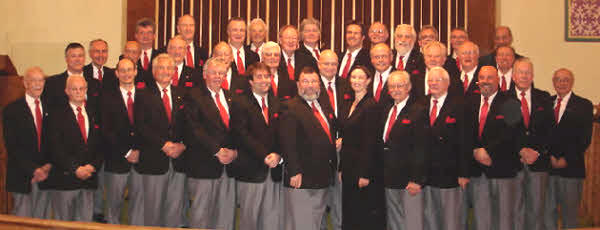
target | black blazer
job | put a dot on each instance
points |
(239, 85)
(499, 137)
(301, 60)
(200, 56)
(473, 86)
(362, 58)
(385, 97)
(572, 135)
(305, 146)
(155, 52)
(109, 79)
(286, 88)
(154, 130)
(119, 134)
(450, 149)
(20, 137)
(205, 133)
(57, 98)
(250, 57)
(343, 94)
(68, 151)
(358, 131)
(536, 136)
(302, 49)
(256, 138)
(415, 63)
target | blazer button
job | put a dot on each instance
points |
(131, 134)
(526, 133)
(441, 138)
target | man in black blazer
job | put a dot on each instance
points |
(449, 156)
(242, 55)
(458, 36)
(55, 85)
(25, 122)
(505, 58)
(132, 50)
(468, 54)
(195, 56)
(121, 150)
(532, 141)
(255, 125)
(402, 143)
(435, 56)
(355, 54)
(281, 85)
(98, 52)
(571, 135)
(145, 32)
(159, 126)
(494, 188)
(208, 133)
(308, 145)
(232, 82)
(502, 37)
(75, 143)
(310, 35)
(292, 60)
(378, 33)
(381, 60)
(185, 77)
(407, 57)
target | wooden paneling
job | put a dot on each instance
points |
(480, 24)
(137, 9)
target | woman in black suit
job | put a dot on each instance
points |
(358, 118)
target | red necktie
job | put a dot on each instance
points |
(290, 69)
(347, 66)
(175, 78)
(146, 61)
(317, 53)
(400, 63)
(222, 111)
(265, 110)
(433, 114)
(240, 63)
(458, 64)
(483, 116)
(99, 75)
(167, 104)
(391, 122)
(322, 121)
(331, 96)
(524, 110)
(557, 110)
(225, 83)
(503, 85)
(273, 85)
(256, 50)
(130, 107)
(379, 88)
(466, 83)
(38, 121)
(81, 122)
(189, 61)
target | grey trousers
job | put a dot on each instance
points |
(73, 205)
(260, 204)
(115, 191)
(404, 211)
(213, 202)
(304, 208)
(35, 204)
(534, 195)
(443, 208)
(334, 202)
(566, 193)
(163, 198)
(495, 202)
(99, 193)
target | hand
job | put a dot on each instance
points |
(225, 156)
(296, 181)
(83, 173)
(338, 145)
(462, 181)
(168, 148)
(47, 167)
(558, 163)
(178, 148)
(39, 175)
(482, 156)
(339, 176)
(528, 155)
(413, 188)
(363, 182)
(272, 160)
(134, 156)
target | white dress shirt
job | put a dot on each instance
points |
(563, 104)
(399, 108)
(85, 117)
(345, 59)
(31, 104)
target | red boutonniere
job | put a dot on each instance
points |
(276, 115)
(95, 94)
(476, 91)
(286, 97)
(239, 91)
(181, 107)
(347, 96)
(96, 126)
(415, 71)
(189, 84)
(330, 116)
(140, 85)
(405, 121)
(498, 117)
(201, 62)
(540, 108)
(450, 120)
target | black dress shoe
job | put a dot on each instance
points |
(99, 218)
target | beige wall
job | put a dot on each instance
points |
(538, 28)
(36, 32)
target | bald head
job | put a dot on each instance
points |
(563, 80)
(328, 64)
(132, 50)
(177, 49)
(488, 80)
(502, 36)
(468, 54)
(223, 50)
(76, 89)
(399, 85)
(33, 81)
(186, 27)
(381, 57)
(438, 81)
(378, 33)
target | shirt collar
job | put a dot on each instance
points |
(441, 99)
(326, 81)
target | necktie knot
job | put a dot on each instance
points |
(289, 61)
(37, 102)
(129, 94)
(238, 52)
(522, 94)
(165, 90)
(316, 50)
(485, 100)
(188, 47)
(435, 101)
(559, 99)
(78, 109)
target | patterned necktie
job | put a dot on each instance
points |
(265, 110)
(146, 61)
(167, 103)
(81, 122)
(99, 74)
(503, 85)
(400, 63)
(557, 110)
(331, 96)
(433, 114)
(317, 53)
(525, 110)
